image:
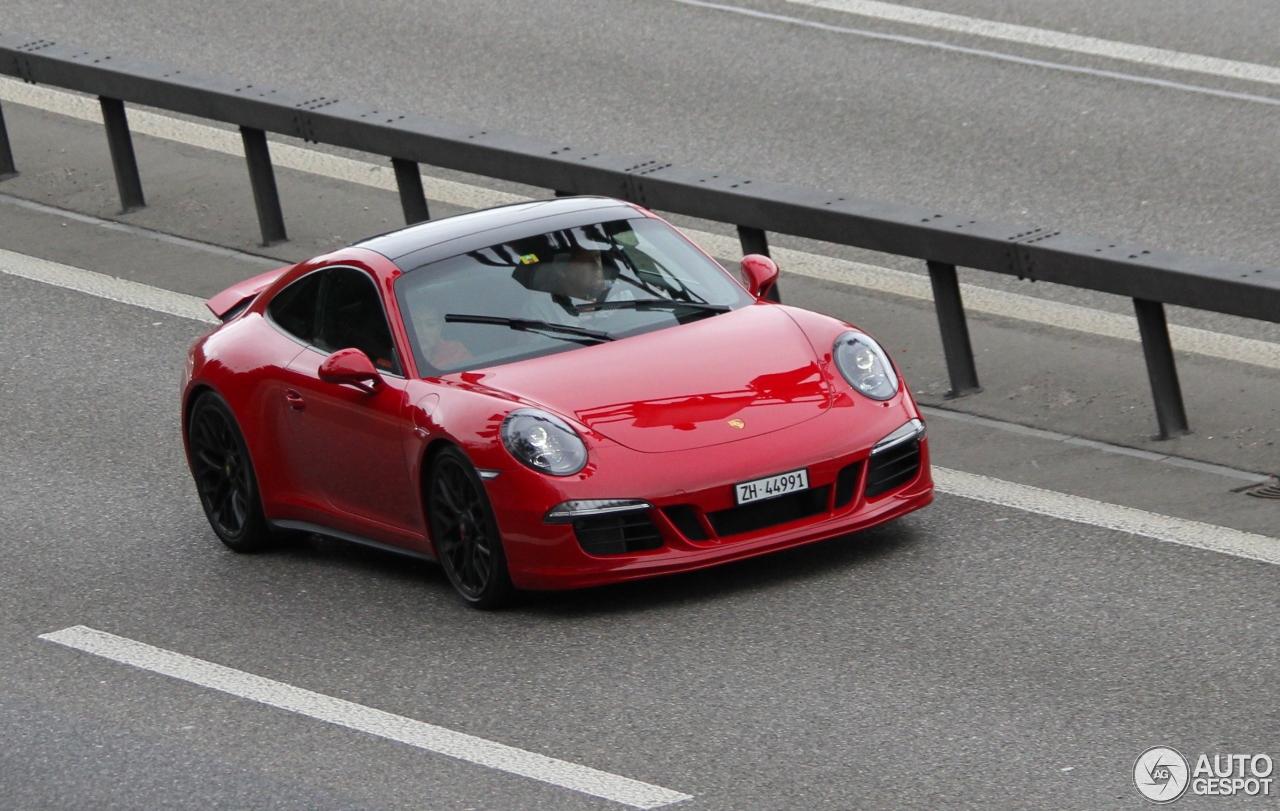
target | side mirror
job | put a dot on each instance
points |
(760, 274)
(353, 368)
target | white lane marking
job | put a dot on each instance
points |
(348, 714)
(103, 286)
(856, 274)
(139, 231)
(996, 55)
(1108, 516)
(1058, 40)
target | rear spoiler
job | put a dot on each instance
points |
(232, 301)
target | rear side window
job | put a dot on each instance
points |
(351, 316)
(294, 308)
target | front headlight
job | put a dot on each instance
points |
(544, 442)
(865, 365)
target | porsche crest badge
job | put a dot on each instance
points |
(737, 423)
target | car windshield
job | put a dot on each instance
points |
(558, 291)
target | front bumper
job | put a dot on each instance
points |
(695, 522)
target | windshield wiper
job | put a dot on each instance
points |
(651, 304)
(527, 325)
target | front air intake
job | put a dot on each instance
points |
(617, 534)
(893, 468)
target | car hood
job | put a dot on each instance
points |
(722, 379)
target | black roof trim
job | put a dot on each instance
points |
(406, 243)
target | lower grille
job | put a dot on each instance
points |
(846, 483)
(617, 534)
(770, 512)
(893, 468)
(686, 520)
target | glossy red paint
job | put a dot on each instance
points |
(350, 367)
(651, 393)
(760, 273)
(338, 444)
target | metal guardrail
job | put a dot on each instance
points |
(1152, 278)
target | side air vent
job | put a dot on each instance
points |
(893, 468)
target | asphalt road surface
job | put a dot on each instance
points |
(971, 655)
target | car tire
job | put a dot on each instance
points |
(224, 476)
(465, 532)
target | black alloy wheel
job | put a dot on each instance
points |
(465, 532)
(224, 476)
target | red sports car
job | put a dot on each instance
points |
(542, 396)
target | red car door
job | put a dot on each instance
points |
(348, 443)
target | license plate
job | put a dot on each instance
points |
(772, 486)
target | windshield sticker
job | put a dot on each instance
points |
(528, 258)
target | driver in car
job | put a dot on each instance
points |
(582, 277)
(573, 278)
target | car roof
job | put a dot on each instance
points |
(418, 244)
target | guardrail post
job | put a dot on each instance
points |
(954, 328)
(1161, 368)
(122, 157)
(263, 179)
(7, 169)
(755, 240)
(412, 198)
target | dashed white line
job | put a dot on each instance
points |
(430, 737)
(1058, 40)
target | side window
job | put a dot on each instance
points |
(351, 315)
(294, 308)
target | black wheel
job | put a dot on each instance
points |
(224, 476)
(465, 532)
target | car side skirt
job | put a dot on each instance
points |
(329, 532)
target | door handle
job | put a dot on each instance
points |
(295, 400)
